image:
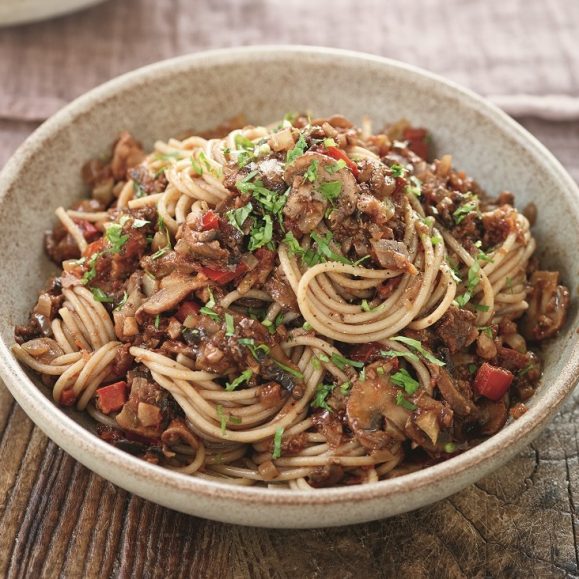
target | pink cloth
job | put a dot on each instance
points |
(525, 53)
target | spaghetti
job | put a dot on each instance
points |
(301, 305)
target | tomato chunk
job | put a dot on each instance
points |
(492, 382)
(210, 221)
(68, 397)
(186, 309)
(223, 277)
(94, 247)
(417, 140)
(112, 397)
(338, 154)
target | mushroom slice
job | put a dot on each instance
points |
(170, 297)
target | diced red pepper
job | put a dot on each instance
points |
(223, 277)
(210, 221)
(364, 352)
(417, 140)
(492, 382)
(68, 397)
(112, 397)
(94, 247)
(186, 309)
(338, 154)
(89, 231)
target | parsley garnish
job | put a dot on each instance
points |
(397, 170)
(269, 200)
(237, 217)
(323, 244)
(289, 370)
(207, 309)
(261, 234)
(366, 307)
(337, 166)
(404, 380)
(273, 326)
(415, 186)
(472, 281)
(90, 274)
(100, 296)
(222, 418)
(247, 150)
(330, 143)
(138, 190)
(277, 443)
(406, 404)
(416, 345)
(331, 190)
(245, 376)
(312, 173)
(114, 236)
(297, 151)
(157, 321)
(465, 209)
(122, 302)
(345, 387)
(256, 351)
(395, 354)
(342, 362)
(229, 328)
(322, 393)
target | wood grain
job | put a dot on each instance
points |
(57, 519)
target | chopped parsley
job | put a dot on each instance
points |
(345, 388)
(277, 443)
(321, 395)
(397, 170)
(472, 368)
(237, 217)
(289, 370)
(395, 354)
(312, 173)
(269, 200)
(465, 209)
(208, 310)
(331, 190)
(273, 326)
(247, 150)
(366, 307)
(90, 274)
(122, 302)
(222, 418)
(337, 166)
(415, 186)
(330, 143)
(261, 235)
(323, 244)
(229, 328)
(342, 362)
(297, 151)
(406, 404)
(245, 376)
(416, 345)
(404, 380)
(157, 321)
(115, 237)
(100, 296)
(473, 280)
(258, 352)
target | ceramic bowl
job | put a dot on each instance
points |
(24, 11)
(203, 90)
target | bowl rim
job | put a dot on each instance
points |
(505, 442)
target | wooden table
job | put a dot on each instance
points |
(57, 519)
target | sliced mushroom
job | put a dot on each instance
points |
(373, 415)
(392, 254)
(170, 297)
(457, 401)
(548, 305)
(305, 203)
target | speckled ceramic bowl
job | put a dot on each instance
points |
(23, 11)
(200, 92)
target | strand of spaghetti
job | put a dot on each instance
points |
(75, 328)
(99, 311)
(87, 216)
(147, 356)
(93, 331)
(41, 367)
(126, 194)
(194, 465)
(98, 361)
(146, 201)
(67, 379)
(63, 341)
(72, 228)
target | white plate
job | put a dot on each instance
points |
(23, 11)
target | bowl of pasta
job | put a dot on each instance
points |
(288, 286)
